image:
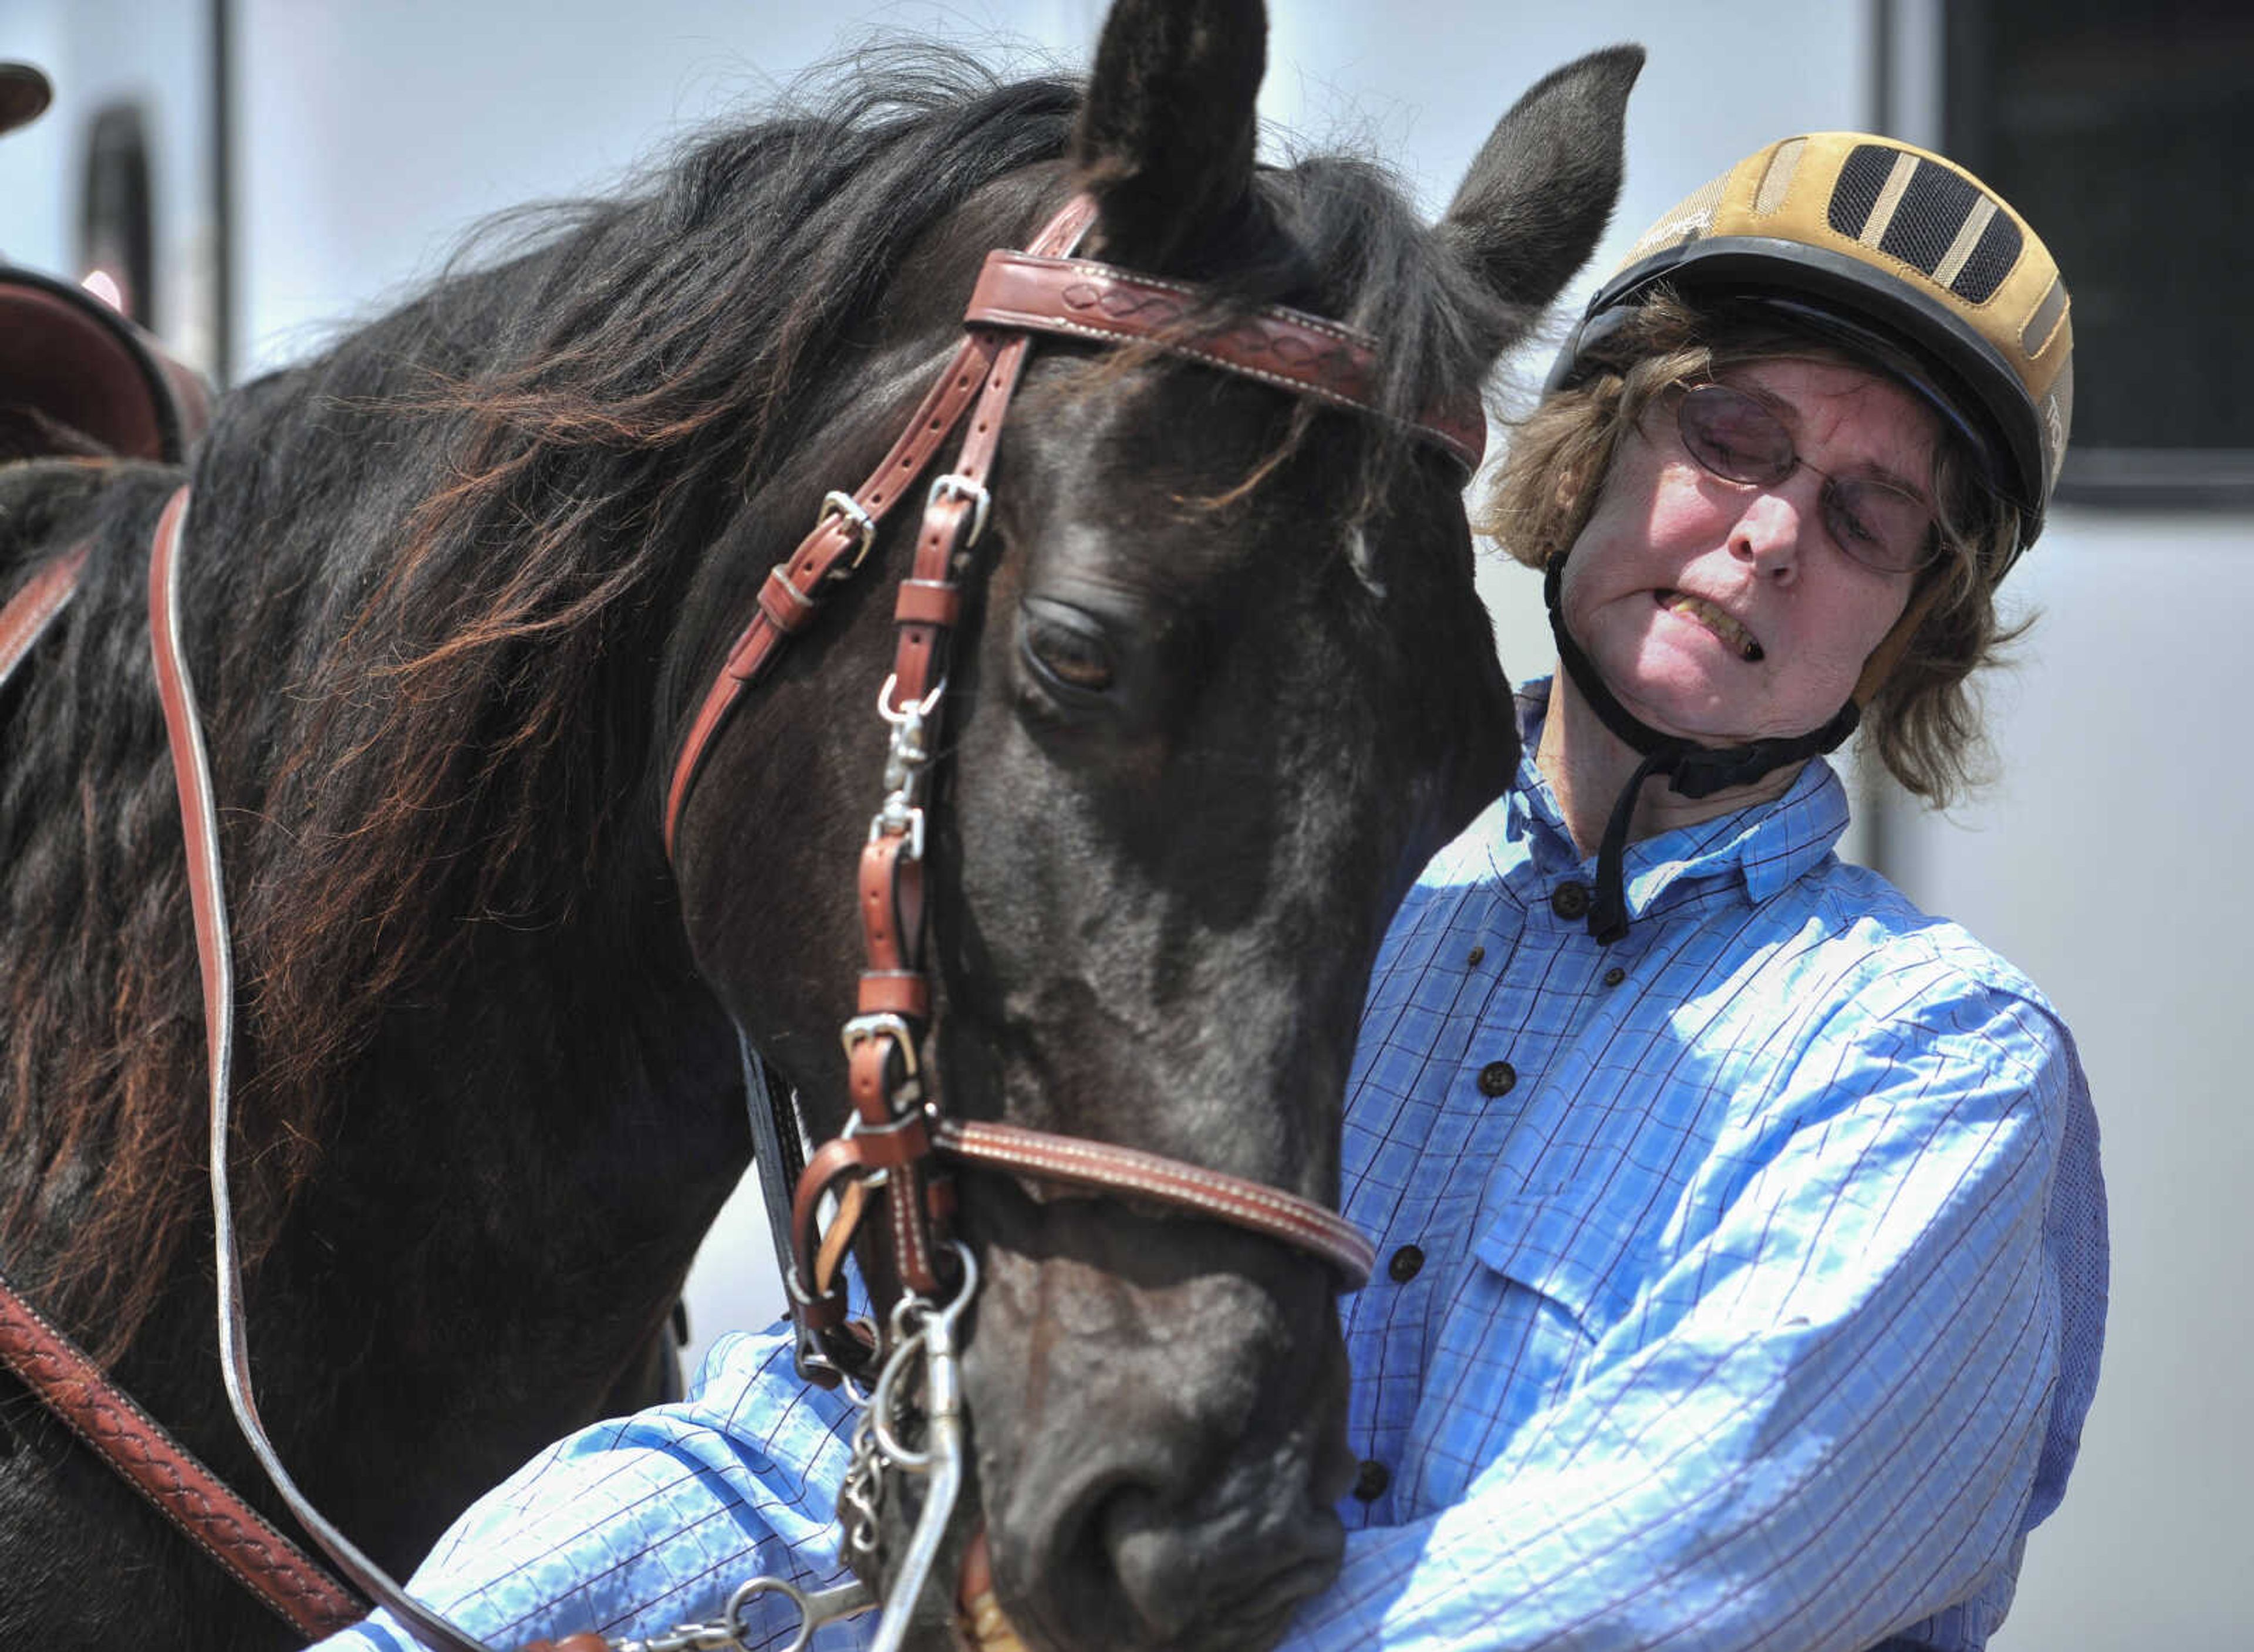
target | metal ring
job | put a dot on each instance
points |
(969, 1287)
(888, 1444)
(880, 1399)
(815, 1610)
(921, 708)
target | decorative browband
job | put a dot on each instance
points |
(1079, 297)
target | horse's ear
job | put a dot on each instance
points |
(1531, 210)
(1165, 139)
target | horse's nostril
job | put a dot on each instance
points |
(1075, 1585)
(1152, 1579)
(1147, 1562)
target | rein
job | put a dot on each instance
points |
(896, 1147)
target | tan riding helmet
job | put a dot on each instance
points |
(1897, 253)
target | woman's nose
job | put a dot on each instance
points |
(1771, 531)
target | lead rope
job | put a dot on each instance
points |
(207, 897)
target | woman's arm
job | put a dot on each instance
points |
(1823, 1418)
(634, 1526)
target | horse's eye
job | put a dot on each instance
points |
(1067, 648)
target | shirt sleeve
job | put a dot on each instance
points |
(634, 1526)
(1821, 1417)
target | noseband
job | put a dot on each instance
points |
(896, 1144)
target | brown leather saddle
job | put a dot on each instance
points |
(78, 378)
(75, 376)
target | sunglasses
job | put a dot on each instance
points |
(1741, 439)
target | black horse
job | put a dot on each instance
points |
(455, 585)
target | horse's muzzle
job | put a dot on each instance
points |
(1159, 1438)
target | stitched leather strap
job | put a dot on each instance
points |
(842, 534)
(144, 1454)
(31, 610)
(1136, 1174)
(1082, 298)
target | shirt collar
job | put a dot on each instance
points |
(1767, 844)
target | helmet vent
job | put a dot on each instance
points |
(1856, 193)
(1991, 260)
(1777, 180)
(1934, 207)
(1953, 262)
(1931, 217)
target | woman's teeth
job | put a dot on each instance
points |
(1706, 613)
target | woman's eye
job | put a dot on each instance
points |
(1852, 526)
(1070, 652)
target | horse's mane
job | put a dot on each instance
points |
(439, 563)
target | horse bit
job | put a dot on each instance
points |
(892, 1146)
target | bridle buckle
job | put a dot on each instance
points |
(862, 1028)
(838, 502)
(954, 485)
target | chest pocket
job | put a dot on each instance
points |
(1566, 1251)
(1548, 1281)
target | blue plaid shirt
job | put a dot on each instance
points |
(1745, 1287)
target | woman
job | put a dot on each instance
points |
(1746, 1244)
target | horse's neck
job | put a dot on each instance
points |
(513, 1192)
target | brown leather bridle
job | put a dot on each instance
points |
(896, 1147)
(896, 1144)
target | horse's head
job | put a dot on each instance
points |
(1230, 686)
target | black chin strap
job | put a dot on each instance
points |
(1692, 770)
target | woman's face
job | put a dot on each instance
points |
(1723, 612)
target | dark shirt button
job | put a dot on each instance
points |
(1570, 901)
(1614, 976)
(1478, 953)
(1405, 1262)
(1370, 1482)
(1496, 1078)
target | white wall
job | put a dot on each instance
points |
(2106, 865)
(2110, 864)
(370, 135)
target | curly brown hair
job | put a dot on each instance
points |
(1922, 721)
